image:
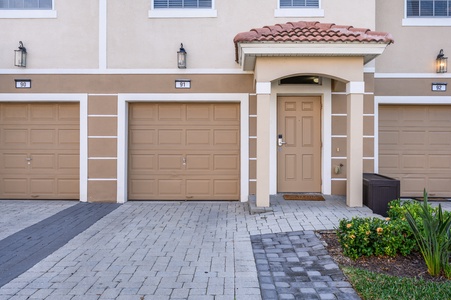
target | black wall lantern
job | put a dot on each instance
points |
(181, 58)
(20, 56)
(441, 62)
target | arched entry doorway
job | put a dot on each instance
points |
(336, 52)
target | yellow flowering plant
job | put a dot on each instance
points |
(375, 236)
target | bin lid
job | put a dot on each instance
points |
(374, 176)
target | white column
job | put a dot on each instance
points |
(263, 143)
(354, 184)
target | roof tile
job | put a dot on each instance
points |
(312, 32)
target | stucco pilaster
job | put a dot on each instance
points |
(263, 143)
(354, 184)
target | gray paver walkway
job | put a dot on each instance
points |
(169, 250)
(296, 265)
(22, 250)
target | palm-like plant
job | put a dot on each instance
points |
(434, 239)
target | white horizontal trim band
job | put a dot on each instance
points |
(412, 75)
(28, 14)
(102, 116)
(102, 179)
(183, 13)
(412, 99)
(102, 158)
(426, 22)
(298, 12)
(125, 71)
(101, 137)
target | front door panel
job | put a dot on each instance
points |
(299, 148)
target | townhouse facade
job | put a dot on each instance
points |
(220, 100)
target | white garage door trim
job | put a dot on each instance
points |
(124, 99)
(82, 99)
(421, 100)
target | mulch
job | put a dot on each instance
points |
(412, 266)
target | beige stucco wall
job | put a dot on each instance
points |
(68, 41)
(136, 41)
(343, 68)
(415, 47)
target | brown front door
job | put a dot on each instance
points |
(299, 150)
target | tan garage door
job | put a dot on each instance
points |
(415, 147)
(39, 151)
(184, 151)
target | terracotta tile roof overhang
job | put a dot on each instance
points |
(308, 39)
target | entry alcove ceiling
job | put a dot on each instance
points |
(308, 39)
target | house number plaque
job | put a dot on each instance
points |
(439, 87)
(182, 84)
(23, 83)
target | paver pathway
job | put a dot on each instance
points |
(296, 265)
(171, 250)
(22, 250)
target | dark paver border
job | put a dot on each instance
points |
(24, 249)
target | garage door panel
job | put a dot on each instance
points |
(198, 137)
(439, 185)
(43, 113)
(68, 136)
(170, 162)
(170, 112)
(424, 147)
(412, 186)
(439, 116)
(225, 112)
(15, 188)
(142, 113)
(226, 137)
(198, 162)
(198, 188)
(437, 162)
(42, 162)
(42, 187)
(142, 162)
(197, 144)
(68, 187)
(413, 138)
(143, 138)
(226, 188)
(142, 189)
(440, 138)
(14, 162)
(170, 137)
(40, 146)
(171, 187)
(226, 162)
(389, 161)
(16, 113)
(414, 161)
(68, 162)
(69, 112)
(42, 136)
(14, 137)
(195, 112)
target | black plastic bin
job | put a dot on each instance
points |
(378, 190)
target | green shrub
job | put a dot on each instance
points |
(373, 236)
(433, 238)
